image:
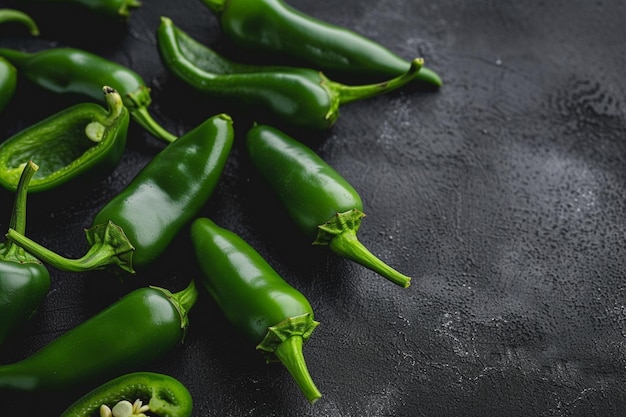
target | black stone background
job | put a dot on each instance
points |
(502, 195)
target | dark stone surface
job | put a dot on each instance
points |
(502, 195)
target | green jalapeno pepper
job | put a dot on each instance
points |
(275, 27)
(273, 314)
(117, 9)
(8, 73)
(323, 205)
(71, 70)
(138, 328)
(133, 394)
(300, 97)
(84, 139)
(138, 224)
(24, 280)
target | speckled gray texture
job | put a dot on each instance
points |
(503, 195)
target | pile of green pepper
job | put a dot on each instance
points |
(170, 195)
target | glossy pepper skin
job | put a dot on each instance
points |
(159, 394)
(116, 9)
(274, 27)
(24, 280)
(299, 97)
(322, 204)
(8, 73)
(72, 70)
(84, 140)
(138, 328)
(138, 224)
(259, 303)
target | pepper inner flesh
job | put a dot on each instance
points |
(54, 149)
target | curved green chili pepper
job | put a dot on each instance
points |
(273, 314)
(135, 393)
(118, 9)
(275, 27)
(71, 70)
(8, 73)
(138, 328)
(24, 280)
(138, 224)
(323, 205)
(84, 138)
(298, 96)
(13, 15)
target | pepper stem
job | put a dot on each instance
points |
(183, 300)
(145, 120)
(9, 250)
(110, 246)
(339, 233)
(349, 93)
(18, 217)
(289, 352)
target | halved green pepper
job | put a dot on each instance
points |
(82, 139)
(322, 204)
(72, 70)
(138, 328)
(299, 97)
(135, 393)
(259, 303)
(24, 280)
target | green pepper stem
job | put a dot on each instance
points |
(350, 93)
(18, 217)
(289, 352)
(145, 120)
(183, 300)
(111, 246)
(12, 15)
(339, 233)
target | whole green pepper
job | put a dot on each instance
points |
(138, 328)
(300, 97)
(275, 27)
(138, 224)
(71, 70)
(82, 139)
(117, 9)
(323, 205)
(135, 393)
(8, 73)
(265, 308)
(24, 280)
